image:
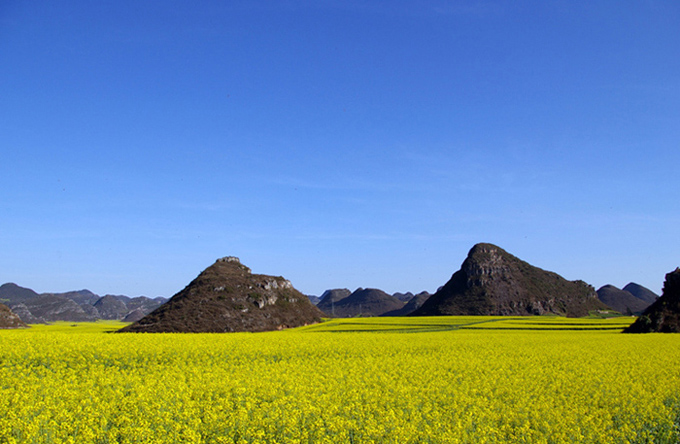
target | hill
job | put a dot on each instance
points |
(663, 316)
(491, 281)
(621, 300)
(227, 297)
(8, 319)
(72, 306)
(641, 292)
(366, 302)
(331, 297)
(413, 303)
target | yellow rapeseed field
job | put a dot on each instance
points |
(398, 380)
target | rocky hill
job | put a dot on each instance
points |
(663, 316)
(73, 306)
(227, 297)
(491, 281)
(8, 319)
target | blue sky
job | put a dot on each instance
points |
(336, 143)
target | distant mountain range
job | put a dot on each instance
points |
(490, 281)
(342, 303)
(74, 306)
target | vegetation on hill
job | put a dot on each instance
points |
(227, 297)
(493, 282)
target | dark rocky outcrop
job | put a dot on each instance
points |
(620, 300)
(493, 282)
(331, 297)
(365, 302)
(227, 297)
(663, 316)
(8, 319)
(641, 292)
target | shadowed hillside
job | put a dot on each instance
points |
(227, 297)
(663, 316)
(621, 300)
(493, 282)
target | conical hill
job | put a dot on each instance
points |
(227, 297)
(491, 281)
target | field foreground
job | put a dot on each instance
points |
(372, 380)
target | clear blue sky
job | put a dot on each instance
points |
(336, 143)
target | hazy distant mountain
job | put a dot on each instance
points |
(663, 316)
(80, 297)
(111, 308)
(491, 281)
(641, 292)
(314, 299)
(227, 297)
(364, 302)
(12, 293)
(620, 300)
(331, 297)
(404, 297)
(414, 303)
(57, 308)
(72, 306)
(134, 316)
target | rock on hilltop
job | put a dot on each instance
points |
(491, 281)
(9, 319)
(663, 316)
(227, 297)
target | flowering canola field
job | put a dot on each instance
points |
(387, 380)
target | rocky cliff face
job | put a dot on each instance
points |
(8, 319)
(663, 316)
(493, 282)
(227, 297)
